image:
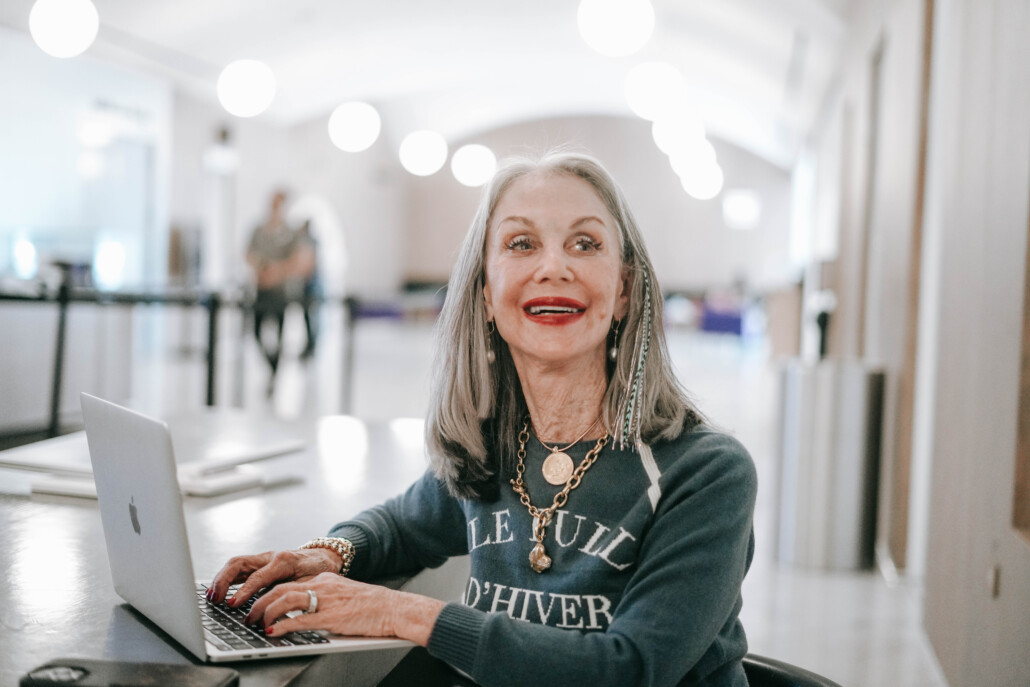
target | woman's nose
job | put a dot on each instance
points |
(554, 264)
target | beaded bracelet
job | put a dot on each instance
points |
(342, 546)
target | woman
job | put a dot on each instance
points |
(609, 529)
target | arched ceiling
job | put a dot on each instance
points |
(759, 70)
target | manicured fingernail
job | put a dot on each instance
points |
(269, 630)
(233, 601)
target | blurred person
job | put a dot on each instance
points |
(273, 255)
(608, 524)
(306, 264)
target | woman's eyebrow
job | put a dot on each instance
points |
(588, 218)
(518, 218)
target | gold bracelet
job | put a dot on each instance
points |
(342, 546)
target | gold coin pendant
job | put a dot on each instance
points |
(558, 468)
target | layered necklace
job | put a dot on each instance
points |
(538, 558)
(558, 466)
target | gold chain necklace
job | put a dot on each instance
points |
(538, 558)
(557, 467)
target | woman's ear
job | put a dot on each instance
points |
(489, 306)
(622, 297)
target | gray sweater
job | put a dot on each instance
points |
(649, 556)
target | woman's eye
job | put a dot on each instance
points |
(518, 244)
(585, 244)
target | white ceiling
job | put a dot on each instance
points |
(760, 69)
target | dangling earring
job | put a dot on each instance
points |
(613, 352)
(490, 357)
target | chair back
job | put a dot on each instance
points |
(768, 672)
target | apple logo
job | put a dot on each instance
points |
(133, 516)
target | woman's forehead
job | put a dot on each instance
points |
(551, 192)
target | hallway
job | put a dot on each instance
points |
(853, 627)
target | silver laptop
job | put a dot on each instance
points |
(145, 530)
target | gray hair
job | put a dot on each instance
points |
(477, 408)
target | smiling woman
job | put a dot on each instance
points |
(554, 279)
(608, 527)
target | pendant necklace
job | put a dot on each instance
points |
(538, 558)
(558, 466)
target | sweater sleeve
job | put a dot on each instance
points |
(678, 614)
(420, 528)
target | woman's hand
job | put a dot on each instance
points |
(346, 607)
(254, 573)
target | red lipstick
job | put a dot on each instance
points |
(553, 310)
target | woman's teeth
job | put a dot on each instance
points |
(542, 310)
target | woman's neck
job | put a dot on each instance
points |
(564, 403)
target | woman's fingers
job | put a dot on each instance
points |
(281, 565)
(277, 603)
(236, 570)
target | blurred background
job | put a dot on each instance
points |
(834, 193)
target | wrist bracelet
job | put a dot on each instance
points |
(342, 546)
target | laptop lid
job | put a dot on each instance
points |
(141, 511)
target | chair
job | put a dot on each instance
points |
(768, 672)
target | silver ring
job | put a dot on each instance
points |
(312, 601)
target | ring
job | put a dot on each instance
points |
(312, 602)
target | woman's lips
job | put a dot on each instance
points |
(553, 310)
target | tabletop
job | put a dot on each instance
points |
(57, 598)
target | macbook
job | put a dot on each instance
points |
(141, 509)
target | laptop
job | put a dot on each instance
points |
(145, 530)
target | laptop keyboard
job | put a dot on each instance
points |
(224, 627)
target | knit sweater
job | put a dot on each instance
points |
(649, 554)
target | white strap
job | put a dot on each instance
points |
(654, 492)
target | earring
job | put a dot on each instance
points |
(613, 352)
(490, 356)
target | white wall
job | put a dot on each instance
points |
(872, 141)
(981, 209)
(690, 245)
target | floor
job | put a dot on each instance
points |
(852, 627)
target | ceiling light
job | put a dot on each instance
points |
(696, 154)
(423, 152)
(246, 88)
(354, 126)
(616, 28)
(703, 182)
(63, 28)
(473, 164)
(651, 87)
(675, 131)
(741, 209)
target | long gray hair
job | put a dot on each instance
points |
(477, 408)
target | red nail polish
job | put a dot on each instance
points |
(269, 630)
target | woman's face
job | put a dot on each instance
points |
(554, 274)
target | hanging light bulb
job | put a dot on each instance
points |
(616, 28)
(473, 164)
(246, 87)
(64, 28)
(703, 182)
(423, 152)
(354, 126)
(652, 88)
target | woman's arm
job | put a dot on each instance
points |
(420, 528)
